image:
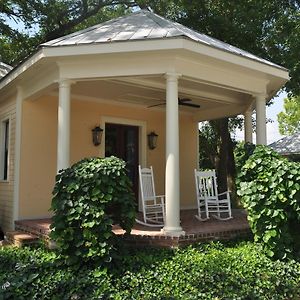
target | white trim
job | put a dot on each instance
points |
(21, 68)
(18, 128)
(142, 138)
(198, 146)
(144, 46)
(175, 43)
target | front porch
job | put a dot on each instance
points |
(142, 236)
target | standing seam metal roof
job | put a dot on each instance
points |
(145, 25)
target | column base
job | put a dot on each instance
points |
(173, 231)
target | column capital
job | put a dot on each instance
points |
(19, 89)
(172, 76)
(260, 96)
(64, 83)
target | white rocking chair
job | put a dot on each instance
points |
(208, 199)
(153, 205)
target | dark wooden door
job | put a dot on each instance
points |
(123, 141)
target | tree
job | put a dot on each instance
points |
(268, 29)
(289, 119)
(46, 20)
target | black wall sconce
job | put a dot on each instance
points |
(97, 135)
(152, 140)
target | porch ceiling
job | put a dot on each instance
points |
(146, 91)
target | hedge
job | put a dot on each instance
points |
(207, 271)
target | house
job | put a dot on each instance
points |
(288, 146)
(129, 76)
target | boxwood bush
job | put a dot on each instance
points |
(88, 199)
(269, 186)
(208, 271)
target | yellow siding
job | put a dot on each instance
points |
(8, 111)
(39, 142)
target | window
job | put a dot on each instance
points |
(5, 149)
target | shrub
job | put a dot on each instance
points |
(88, 198)
(38, 274)
(207, 271)
(270, 189)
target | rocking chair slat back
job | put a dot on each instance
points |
(209, 201)
(153, 205)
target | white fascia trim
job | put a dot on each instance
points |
(142, 46)
(166, 44)
(25, 65)
(115, 47)
(236, 59)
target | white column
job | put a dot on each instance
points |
(261, 127)
(248, 126)
(63, 134)
(172, 184)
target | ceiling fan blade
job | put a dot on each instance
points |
(181, 101)
(184, 100)
(190, 104)
(154, 105)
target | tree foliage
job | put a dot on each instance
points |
(289, 119)
(42, 21)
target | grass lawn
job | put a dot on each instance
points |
(208, 271)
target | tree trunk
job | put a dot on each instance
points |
(222, 131)
(226, 166)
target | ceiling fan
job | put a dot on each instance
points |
(181, 101)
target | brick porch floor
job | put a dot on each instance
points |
(195, 231)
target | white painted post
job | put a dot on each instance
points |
(63, 134)
(172, 184)
(19, 102)
(261, 127)
(248, 126)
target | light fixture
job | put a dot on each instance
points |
(97, 135)
(152, 140)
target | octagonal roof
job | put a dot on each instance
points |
(145, 25)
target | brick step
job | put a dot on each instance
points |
(20, 239)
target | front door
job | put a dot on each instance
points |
(123, 141)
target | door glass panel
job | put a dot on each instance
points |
(130, 152)
(111, 141)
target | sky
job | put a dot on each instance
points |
(272, 127)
